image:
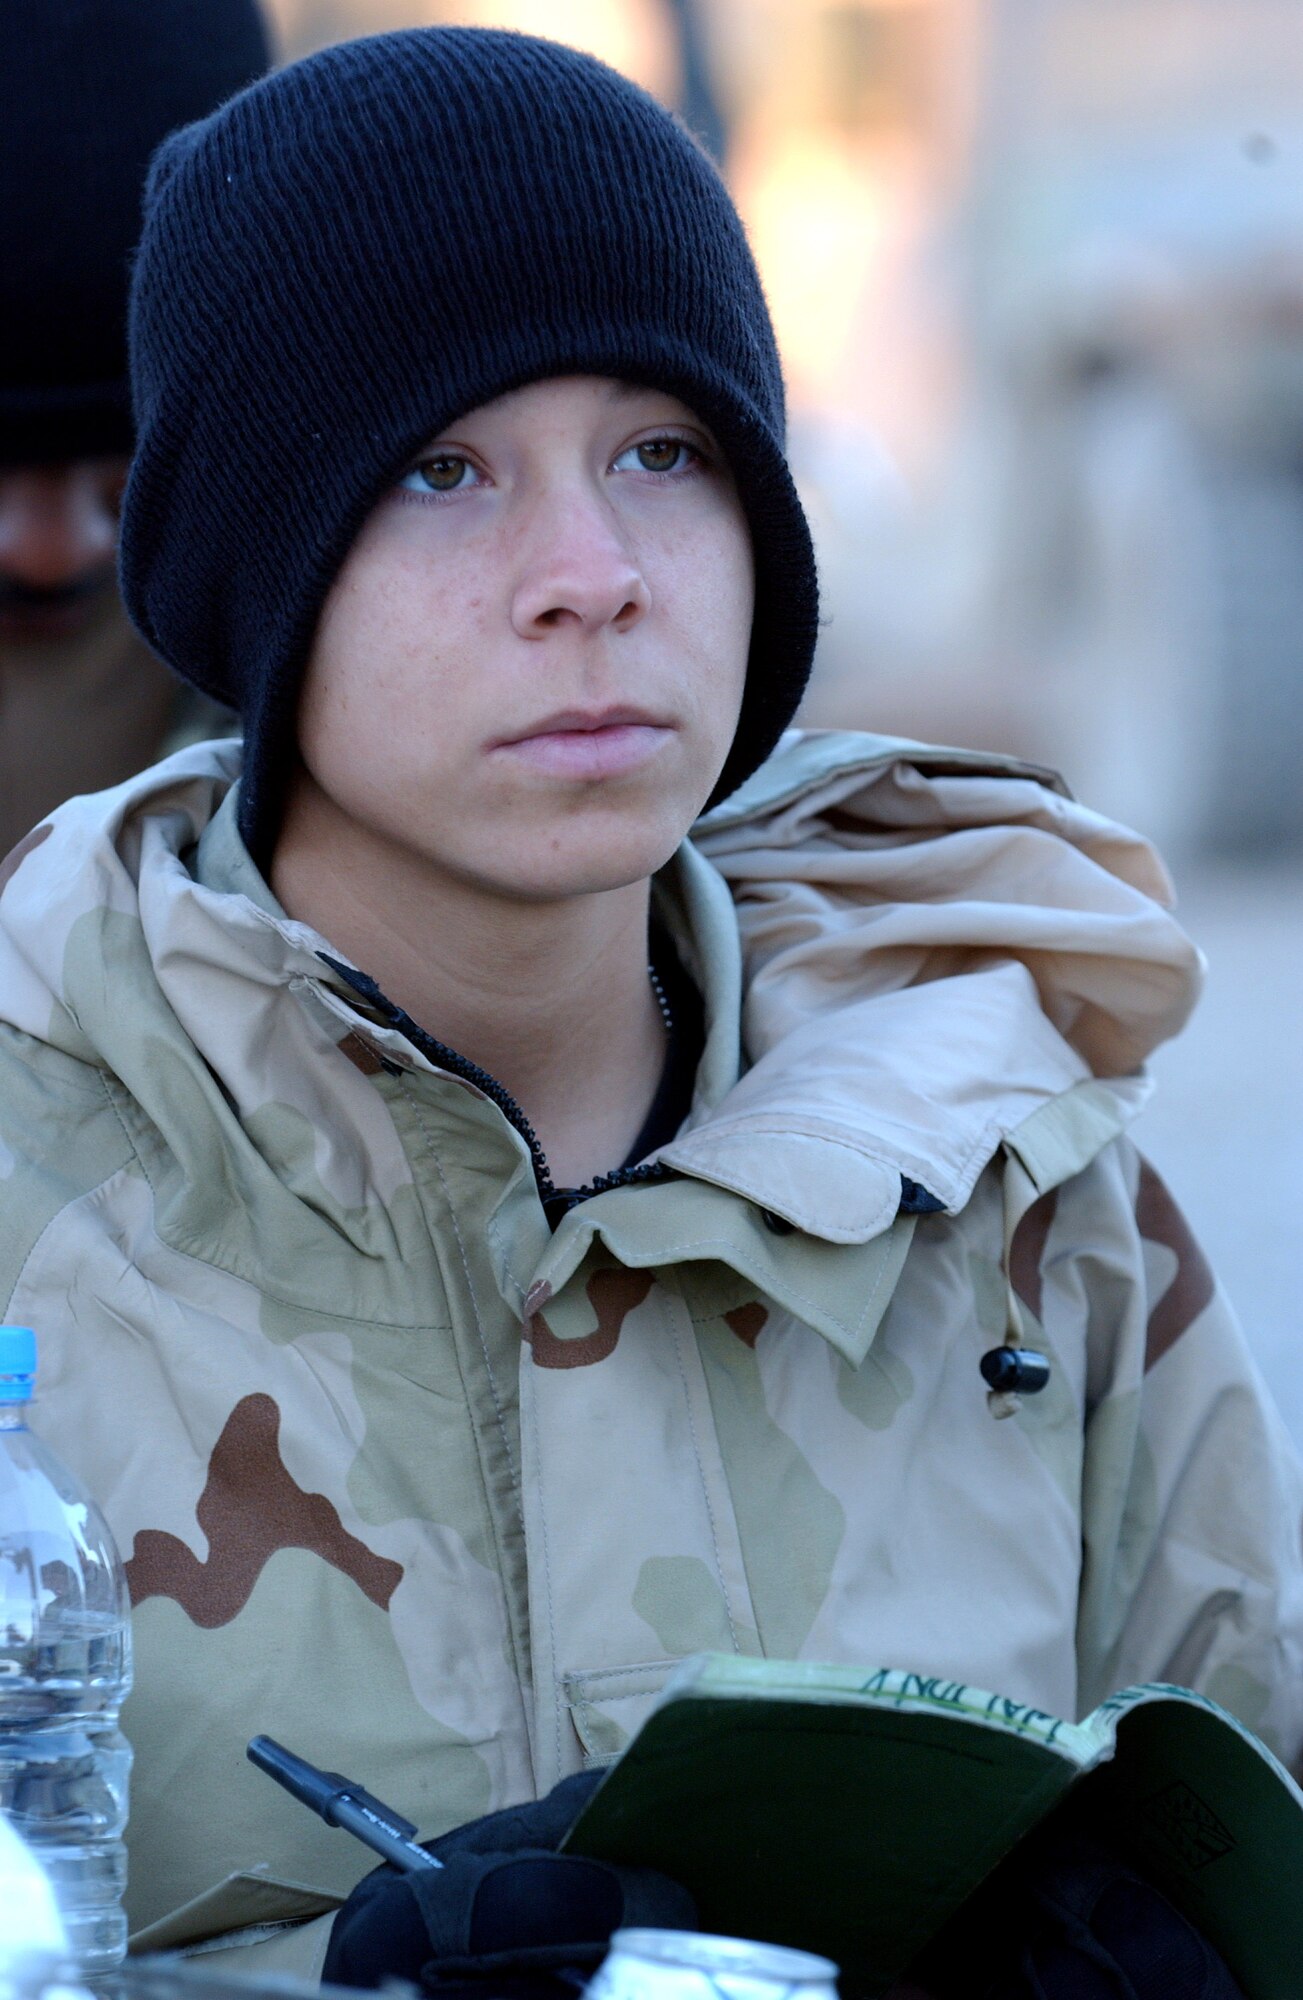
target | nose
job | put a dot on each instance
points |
(58, 524)
(577, 569)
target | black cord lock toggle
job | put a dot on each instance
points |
(1015, 1371)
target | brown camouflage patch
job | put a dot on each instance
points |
(360, 1053)
(613, 1295)
(250, 1508)
(1159, 1220)
(1027, 1252)
(16, 856)
(747, 1322)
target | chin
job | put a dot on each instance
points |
(547, 869)
(560, 883)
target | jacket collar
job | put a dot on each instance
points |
(909, 958)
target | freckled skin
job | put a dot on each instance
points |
(554, 583)
(523, 687)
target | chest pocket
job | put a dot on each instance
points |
(609, 1706)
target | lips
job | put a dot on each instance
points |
(586, 722)
(588, 744)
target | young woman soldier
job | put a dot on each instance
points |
(492, 1235)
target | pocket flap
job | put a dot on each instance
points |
(252, 1896)
(609, 1705)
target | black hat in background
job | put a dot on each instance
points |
(366, 245)
(89, 89)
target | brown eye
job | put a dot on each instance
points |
(442, 475)
(660, 454)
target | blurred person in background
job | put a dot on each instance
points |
(90, 88)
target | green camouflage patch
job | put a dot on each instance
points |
(791, 1526)
(683, 1604)
(878, 1389)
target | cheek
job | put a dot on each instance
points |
(714, 595)
(375, 690)
(397, 620)
(738, 593)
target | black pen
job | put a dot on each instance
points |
(342, 1803)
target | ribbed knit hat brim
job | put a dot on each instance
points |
(362, 248)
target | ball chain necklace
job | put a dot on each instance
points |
(667, 1014)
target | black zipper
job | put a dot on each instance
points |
(556, 1201)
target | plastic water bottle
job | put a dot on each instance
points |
(65, 1668)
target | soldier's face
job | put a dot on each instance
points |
(58, 540)
(530, 668)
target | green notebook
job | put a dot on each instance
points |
(853, 1812)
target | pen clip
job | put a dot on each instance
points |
(344, 1788)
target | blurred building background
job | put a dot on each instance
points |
(1037, 271)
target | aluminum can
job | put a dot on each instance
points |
(688, 1965)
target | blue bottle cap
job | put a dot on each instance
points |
(17, 1364)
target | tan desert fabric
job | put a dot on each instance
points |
(437, 1497)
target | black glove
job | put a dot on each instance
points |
(1076, 1922)
(506, 1916)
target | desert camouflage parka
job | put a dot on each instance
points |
(437, 1495)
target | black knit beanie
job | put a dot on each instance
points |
(89, 89)
(360, 249)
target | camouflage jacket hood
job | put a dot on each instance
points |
(439, 1496)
